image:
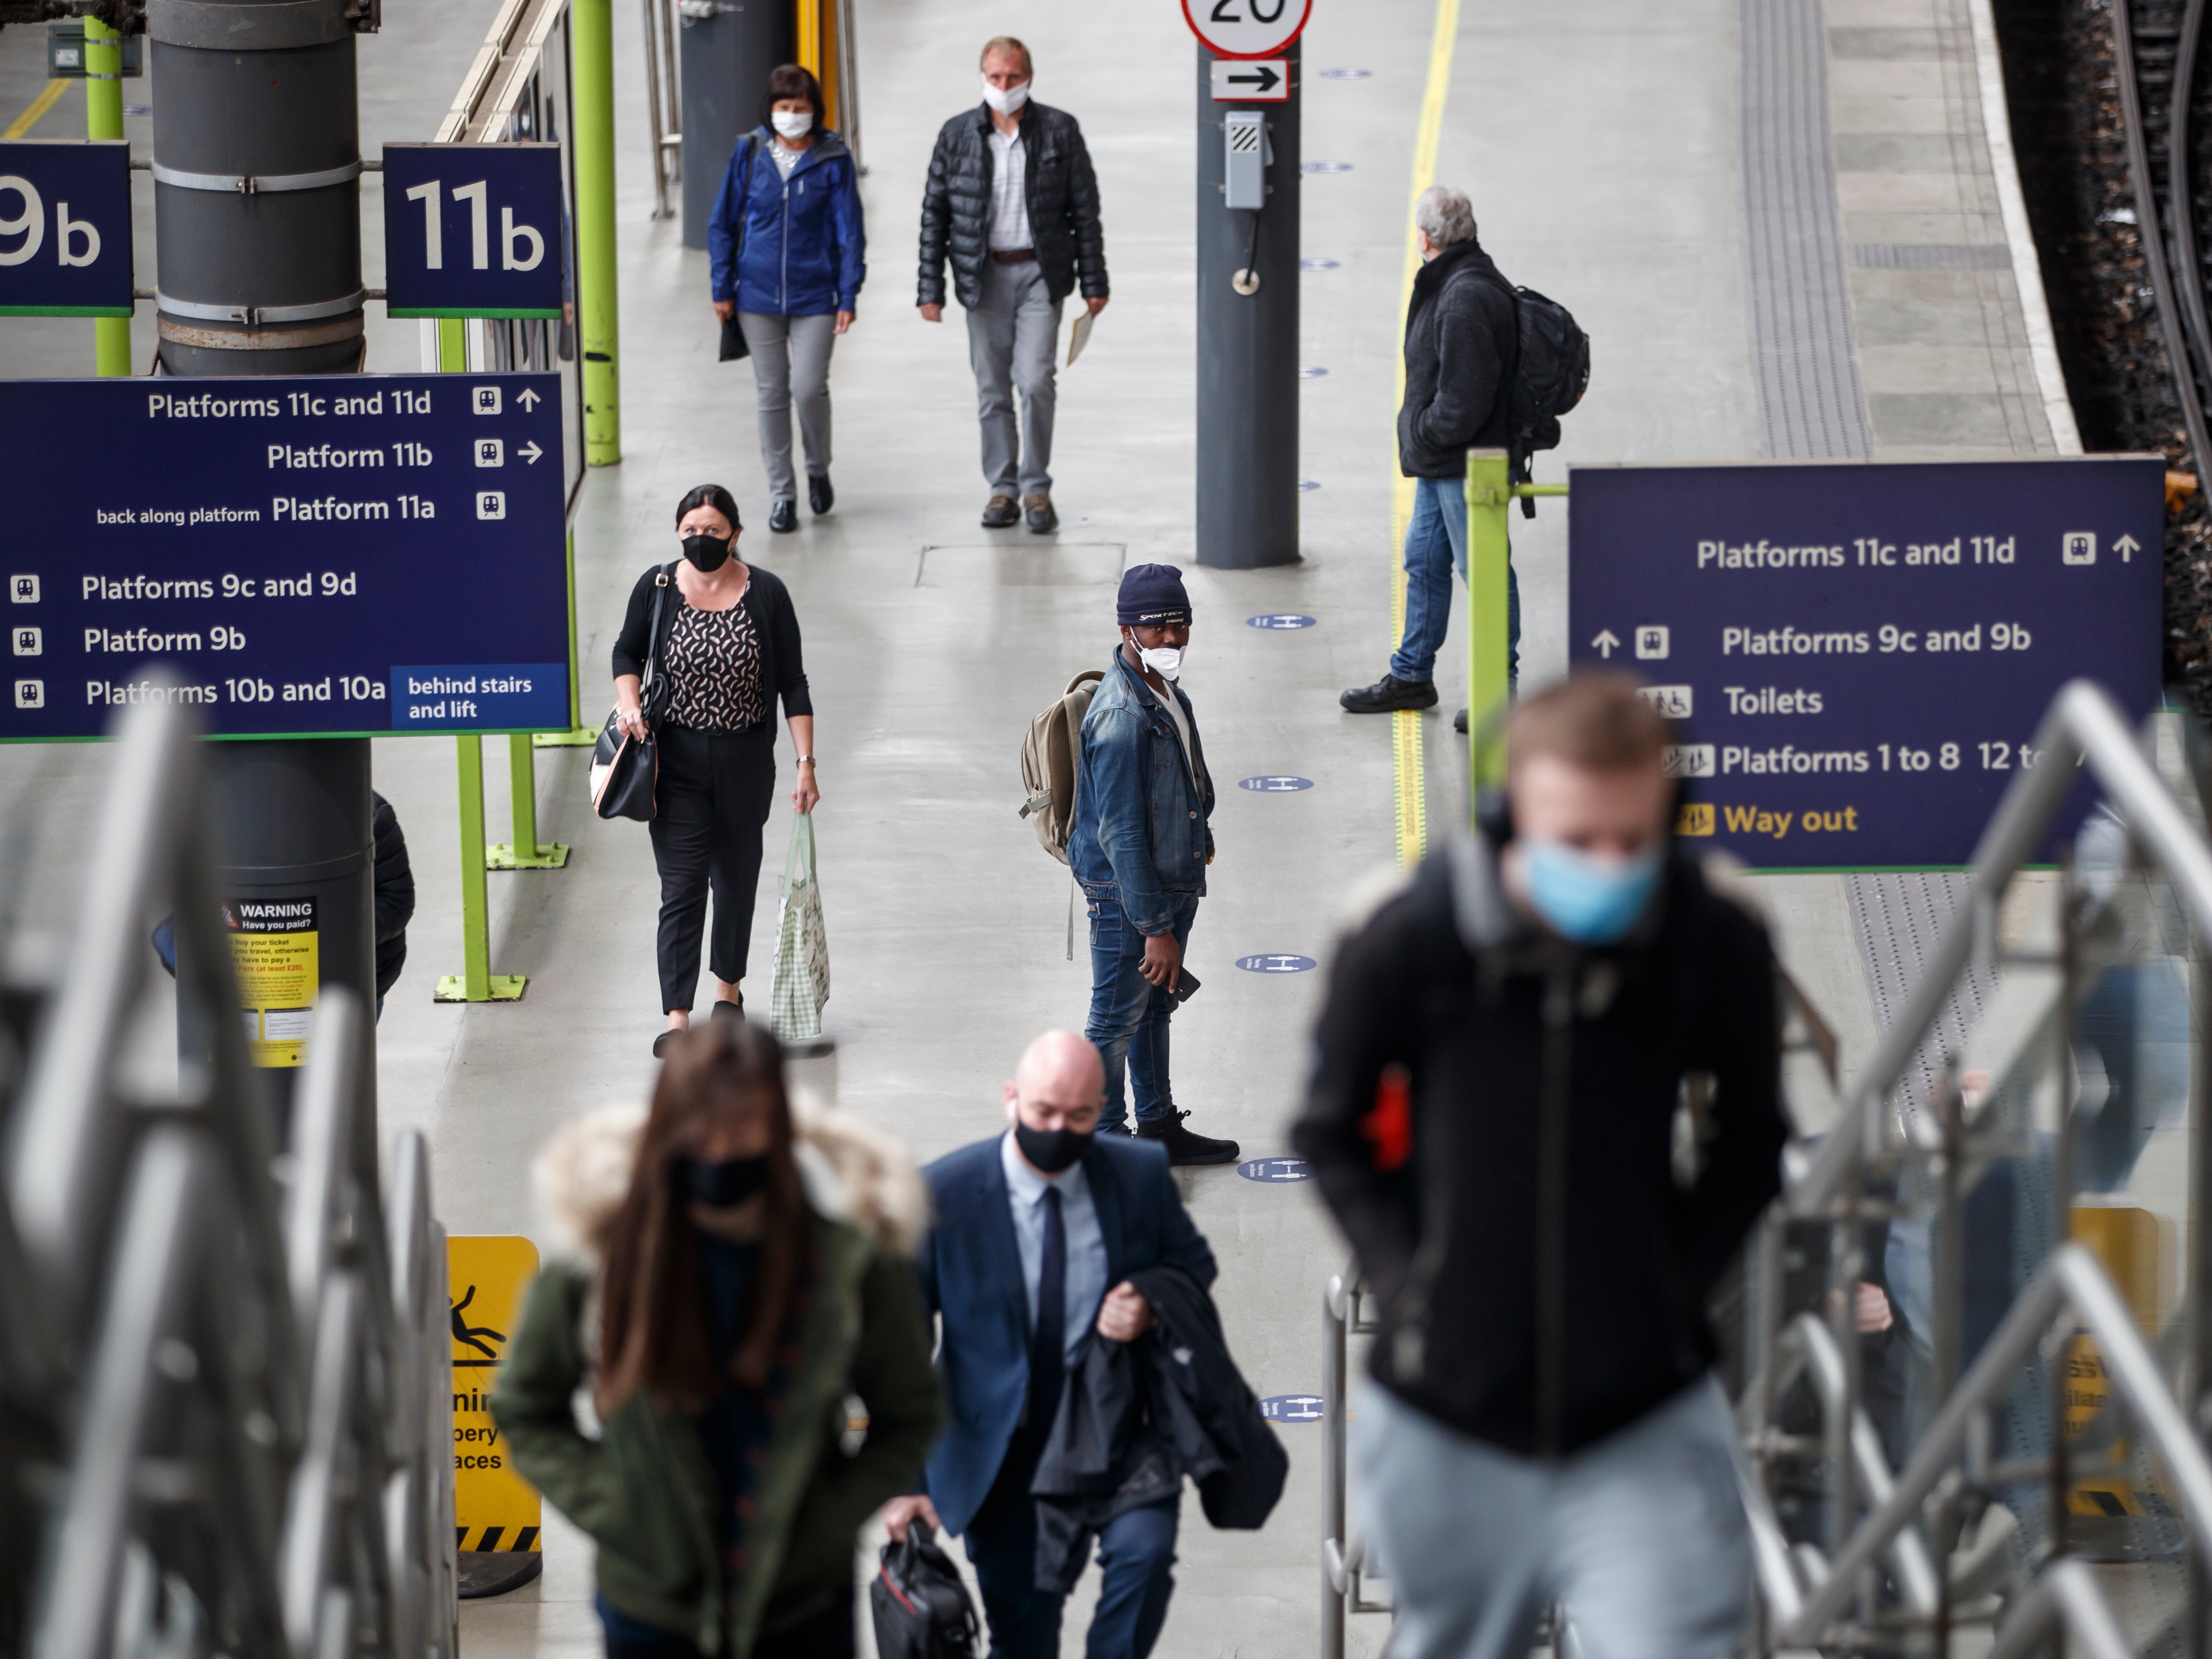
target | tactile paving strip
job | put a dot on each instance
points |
(1803, 359)
(1899, 918)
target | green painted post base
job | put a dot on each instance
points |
(498, 988)
(1489, 494)
(583, 738)
(552, 855)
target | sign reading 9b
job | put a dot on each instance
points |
(65, 229)
(473, 230)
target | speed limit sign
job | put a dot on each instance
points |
(1247, 28)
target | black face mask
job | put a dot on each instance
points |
(708, 552)
(1052, 1150)
(725, 1185)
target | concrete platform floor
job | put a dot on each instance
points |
(1598, 140)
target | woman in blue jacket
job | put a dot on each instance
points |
(788, 255)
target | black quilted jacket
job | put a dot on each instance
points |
(1063, 204)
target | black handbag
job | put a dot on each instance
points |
(919, 1606)
(626, 769)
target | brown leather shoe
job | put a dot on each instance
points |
(1001, 513)
(1042, 519)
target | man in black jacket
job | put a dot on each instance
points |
(1498, 1073)
(1463, 343)
(1012, 201)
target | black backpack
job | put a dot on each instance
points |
(1551, 372)
(920, 1608)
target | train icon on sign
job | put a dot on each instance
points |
(24, 590)
(30, 694)
(491, 503)
(2080, 547)
(491, 452)
(30, 642)
(1651, 644)
(484, 399)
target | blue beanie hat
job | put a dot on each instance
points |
(1151, 594)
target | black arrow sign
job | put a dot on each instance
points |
(1266, 80)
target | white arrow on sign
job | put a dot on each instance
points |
(1251, 80)
(1605, 644)
(530, 452)
(2125, 545)
(526, 398)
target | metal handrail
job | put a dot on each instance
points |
(2066, 1593)
(2083, 727)
(2070, 1281)
(1343, 1560)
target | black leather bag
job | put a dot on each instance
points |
(920, 1608)
(625, 769)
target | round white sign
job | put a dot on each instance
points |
(1247, 28)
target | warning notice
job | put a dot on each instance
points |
(494, 1509)
(276, 954)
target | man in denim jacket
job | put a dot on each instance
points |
(1140, 846)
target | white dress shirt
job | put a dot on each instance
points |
(1078, 1218)
(1010, 206)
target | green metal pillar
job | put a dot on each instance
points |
(578, 735)
(592, 35)
(103, 119)
(476, 982)
(1489, 494)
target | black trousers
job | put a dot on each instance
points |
(710, 804)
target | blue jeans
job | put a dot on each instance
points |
(1129, 1015)
(1435, 541)
(1136, 1563)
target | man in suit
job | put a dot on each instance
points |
(1032, 1228)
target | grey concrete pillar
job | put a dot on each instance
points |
(1247, 344)
(726, 61)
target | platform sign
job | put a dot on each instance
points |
(65, 229)
(1247, 28)
(1858, 656)
(473, 230)
(325, 554)
(494, 1507)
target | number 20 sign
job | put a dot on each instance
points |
(1247, 28)
(473, 230)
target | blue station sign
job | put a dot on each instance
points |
(1857, 656)
(65, 229)
(473, 230)
(313, 555)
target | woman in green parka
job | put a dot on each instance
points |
(728, 1277)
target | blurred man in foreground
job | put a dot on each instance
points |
(1498, 1069)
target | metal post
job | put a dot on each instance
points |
(476, 982)
(2199, 1284)
(725, 59)
(578, 735)
(525, 851)
(592, 134)
(1248, 341)
(103, 119)
(1489, 497)
(1335, 1314)
(646, 10)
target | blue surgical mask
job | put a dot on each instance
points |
(1586, 898)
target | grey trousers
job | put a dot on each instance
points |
(1642, 1536)
(1011, 335)
(791, 364)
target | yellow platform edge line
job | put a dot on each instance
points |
(1409, 781)
(29, 119)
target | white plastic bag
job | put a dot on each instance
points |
(801, 983)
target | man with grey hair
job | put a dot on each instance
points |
(1462, 343)
(1012, 203)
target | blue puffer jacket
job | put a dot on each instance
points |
(1142, 817)
(789, 247)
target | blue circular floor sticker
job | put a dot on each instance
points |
(1306, 486)
(1319, 265)
(1311, 372)
(1280, 620)
(1275, 783)
(1346, 75)
(1277, 963)
(1291, 1408)
(1324, 166)
(1275, 1169)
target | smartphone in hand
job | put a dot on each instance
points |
(1186, 987)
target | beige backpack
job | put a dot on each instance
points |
(1051, 753)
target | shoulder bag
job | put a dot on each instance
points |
(624, 769)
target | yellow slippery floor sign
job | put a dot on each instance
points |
(493, 1508)
(276, 954)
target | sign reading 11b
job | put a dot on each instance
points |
(473, 230)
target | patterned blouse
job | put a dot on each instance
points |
(713, 662)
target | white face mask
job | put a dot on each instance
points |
(1166, 662)
(1009, 100)
(793, 123)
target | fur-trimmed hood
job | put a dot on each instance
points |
(851, 1174)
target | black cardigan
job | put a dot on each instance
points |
(767, 601)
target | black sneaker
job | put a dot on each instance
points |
(1042, 519)
(1183, 1146)
(783, 517)
(819, 495)
(1001, 513)
(1459, 722)
(1389, 694)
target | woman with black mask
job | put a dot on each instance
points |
(728, 647)
(722, 1274)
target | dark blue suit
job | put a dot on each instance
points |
(971, 1278)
